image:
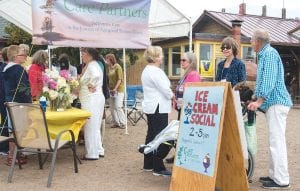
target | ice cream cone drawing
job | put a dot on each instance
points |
(206, 162)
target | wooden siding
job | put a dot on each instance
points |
(134, 73)
(213, 27)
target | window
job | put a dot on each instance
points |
(248, 53)
(176, 69)
(165, 64)
(206, 62)
(187, 47)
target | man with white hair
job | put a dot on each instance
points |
(273, 97)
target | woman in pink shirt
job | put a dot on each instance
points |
(189, 64)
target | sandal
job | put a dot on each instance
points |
(18, 161)
(115, 126)
(84, 158)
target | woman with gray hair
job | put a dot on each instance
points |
(39, 63)
(189, 64)
(28, 61)
(156, 104)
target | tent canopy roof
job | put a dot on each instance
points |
(164, 19)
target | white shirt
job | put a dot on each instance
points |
(73, 71)
(93, 75)
(157, 91)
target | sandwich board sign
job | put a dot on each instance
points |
(208, 154)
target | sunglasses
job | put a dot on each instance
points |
(225, 47)
(183, 60)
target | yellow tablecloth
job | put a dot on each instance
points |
(72, 119)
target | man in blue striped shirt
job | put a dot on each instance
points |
(273, 97)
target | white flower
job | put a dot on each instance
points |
(45, 89)
(61, 82)
(67, 90)
(53, 94)
(54, 74)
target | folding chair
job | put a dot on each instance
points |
(31, 134)
(135, 97)
(4, 138)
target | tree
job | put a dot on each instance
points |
(16, 35)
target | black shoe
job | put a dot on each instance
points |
(275, 186)
(101, 156)
(164, 173)
(170, 160)
(265, 179)
(141, 148)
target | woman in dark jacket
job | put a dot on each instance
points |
(16, 86)
(231, 69)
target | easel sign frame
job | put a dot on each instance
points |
(208, 154)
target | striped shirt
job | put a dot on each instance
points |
(270, 79)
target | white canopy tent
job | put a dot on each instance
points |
(164, 21)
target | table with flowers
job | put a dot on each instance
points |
(72, 119)
(57, 89)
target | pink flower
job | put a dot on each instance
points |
(65, 74)
(52, 84)
(45, 79)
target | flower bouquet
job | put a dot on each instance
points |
(57, 89)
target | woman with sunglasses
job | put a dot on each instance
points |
(231, 69)
(189, 64)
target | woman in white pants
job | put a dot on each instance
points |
(92, 100)
(116, 87)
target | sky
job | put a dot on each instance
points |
(194, 8)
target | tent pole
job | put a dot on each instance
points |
(80, 56)
(125, 91)
(49, 58)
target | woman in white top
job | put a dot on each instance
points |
(157, 104)
(92, 100)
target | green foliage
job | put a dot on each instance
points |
(17, 35)
(72, 52)
(119, 55)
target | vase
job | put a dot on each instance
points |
(57, 105)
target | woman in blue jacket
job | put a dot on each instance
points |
(231, 69)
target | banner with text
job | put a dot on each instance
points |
(91, 23)
(199, 129)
